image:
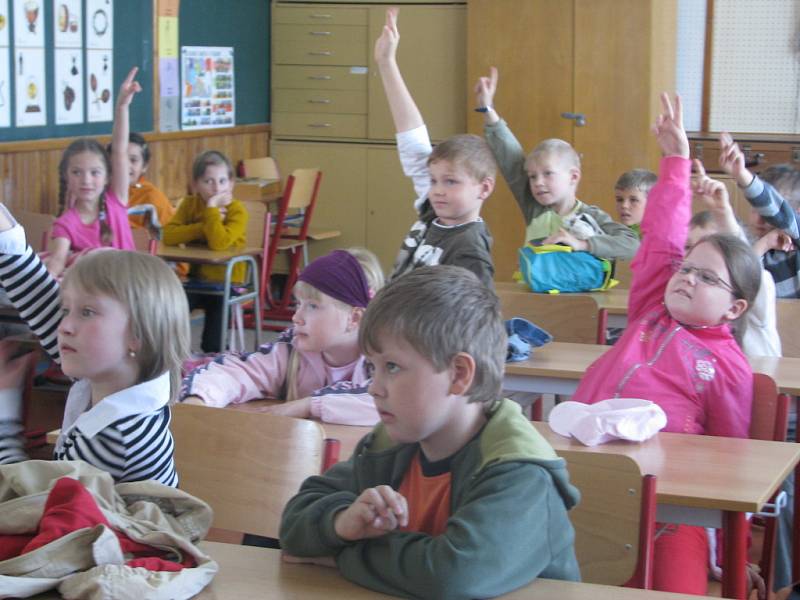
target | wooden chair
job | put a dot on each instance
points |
(265, 168)
(246, 465)
(615, 519)
(37, 228)
(788, 317)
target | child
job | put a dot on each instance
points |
(451, 181)
(141, 190)
(122, 328)
(454, 494)
(630, 194)
(756, 331)
(678, 349)
(213, 217)
(316, 365)
(94, 207)
(544, 185)
(775, 198)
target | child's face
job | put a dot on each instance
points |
(94, 339)
(136, 165)
(552, 180)
(630, 205)
(415, 402)
(455, 195)
(215, 180)
(693, 301)
(322, 324)
(86, 176)
(758, 226)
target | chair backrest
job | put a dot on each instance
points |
(143, 241)
(245, 465)
(788, 316)
(256, 222)
(615, 519)
(264, 167)
(37, 227)
(303, 191)
(770, 412)
(568, 317)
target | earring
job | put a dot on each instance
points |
(132, 353)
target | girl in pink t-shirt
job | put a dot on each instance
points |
(93, 191)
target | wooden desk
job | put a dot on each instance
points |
(201, 254)
(707, 481)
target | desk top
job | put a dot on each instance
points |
(702, 471)
(247, 572)
(202, 255)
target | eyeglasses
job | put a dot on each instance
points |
(704, 276)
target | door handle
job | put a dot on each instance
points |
(579, 118)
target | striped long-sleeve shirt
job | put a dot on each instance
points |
(783, 266)
(127, 433)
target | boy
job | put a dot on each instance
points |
(451, 181)
(544, 186)
(775, 198)
(630, 194)
(454, 495)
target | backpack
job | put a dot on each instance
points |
(554, 268)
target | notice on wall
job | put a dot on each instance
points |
(31, 108)
(207, 98)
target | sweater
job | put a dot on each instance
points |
(508, 516)
(699, 376)
(144, 192)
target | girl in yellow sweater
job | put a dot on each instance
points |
(211, 217)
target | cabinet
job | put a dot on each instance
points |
(329, 109)
(605, 59)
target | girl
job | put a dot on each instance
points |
(119, 324)
(213, 217)
(93, 191)
(678, 349)
(316, 365)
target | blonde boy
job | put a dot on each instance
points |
(630, 195)
(451, 181)
(544, 185)
(454, 495)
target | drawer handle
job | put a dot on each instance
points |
(320, 77)
(319, 33)
(323, 101)
(320, 16)
(322, 53)
(320, 125)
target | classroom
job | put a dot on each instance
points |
(430, 298)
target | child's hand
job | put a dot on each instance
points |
(375, 512)
(565, 237)
(775, 239)
(128, 89)
(299, 409)
(220, 200)
(713, 192)
(12, 370)
(386, 44)
(485, 89)
(669, 130)
(731, 159)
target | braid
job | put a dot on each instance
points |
(106, 234)
(62, 192)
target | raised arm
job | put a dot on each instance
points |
(120, 177)
(404, 110)
(485, 89)
(714, 195)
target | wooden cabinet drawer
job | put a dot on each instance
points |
(759, 155)
(334, 45)
(322, 15)
(320, 101)
(318, 125)
(319, 78)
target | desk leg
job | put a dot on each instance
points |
(734, 578)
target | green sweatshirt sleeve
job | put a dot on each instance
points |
(616, 241)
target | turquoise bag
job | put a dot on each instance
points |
(554, 268)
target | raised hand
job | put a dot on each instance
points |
(669, 130)
(375, 512)
(775, 239)
(387, 42)
(713, 192)
(129, 88)
(485, 89)
(731, 159)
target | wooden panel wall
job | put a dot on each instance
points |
(29, 170)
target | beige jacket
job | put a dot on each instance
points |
(88, 563)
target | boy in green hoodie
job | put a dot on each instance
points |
(454, 494)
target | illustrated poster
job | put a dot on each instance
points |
(100, 24)
(4, 21)
(68, 85)
(67, 23)
(99, 85)
(208, 98)
(28, 23)
(29, 81)
(5, 88)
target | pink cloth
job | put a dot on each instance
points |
(82, 236)
(338, 394)
(699, 376)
